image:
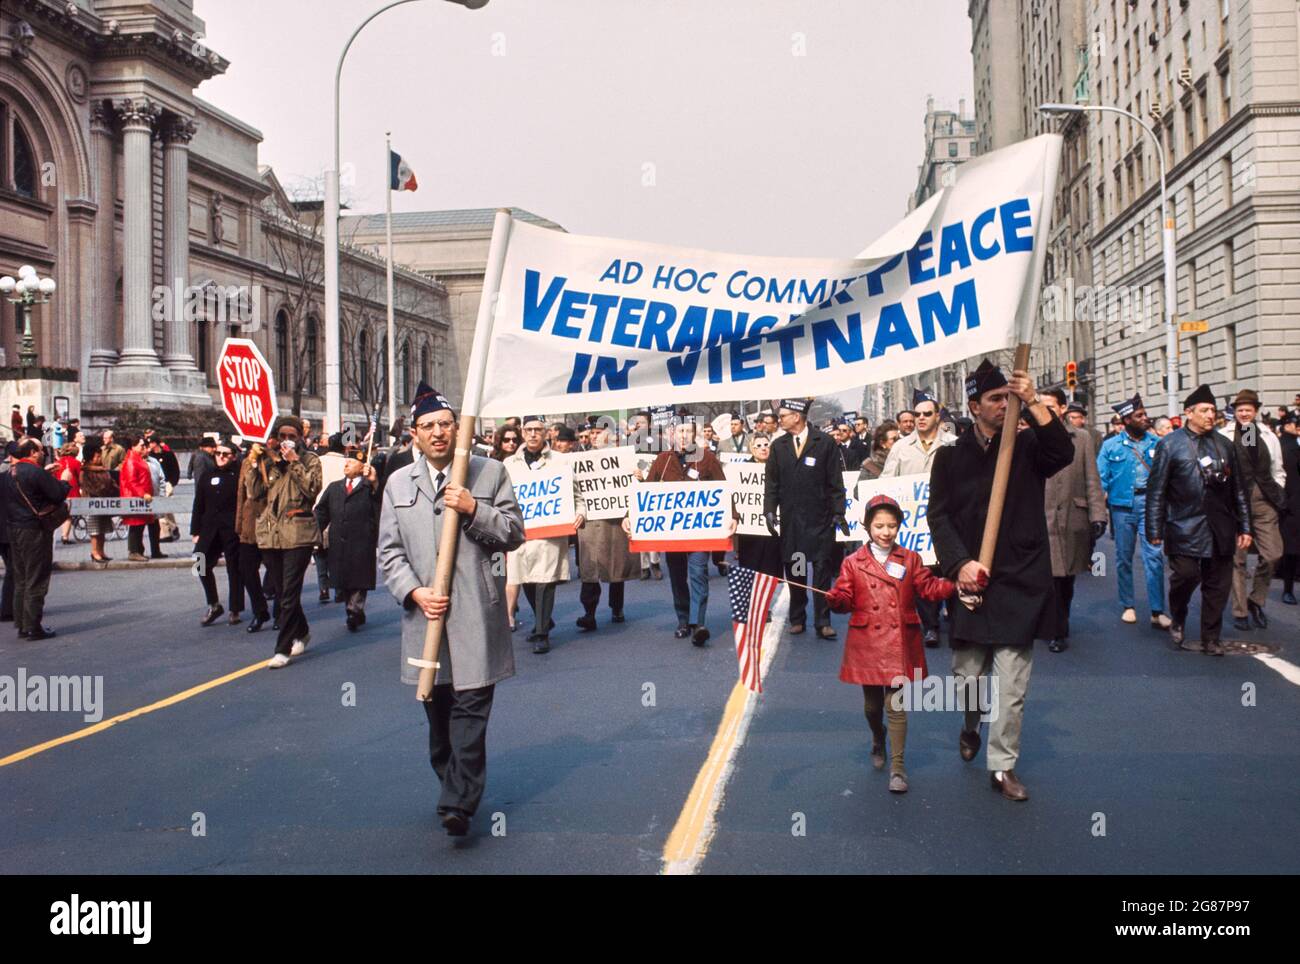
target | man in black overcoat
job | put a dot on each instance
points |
(212, 528)
(1018, 604)
(349, 510)
(805, 481)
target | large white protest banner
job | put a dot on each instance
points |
(747, 480)
(604, 479)
(545, 497)
(639, 323)
(911, 492)
(680, 517)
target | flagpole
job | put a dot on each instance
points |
(448, 537)
(388, 235)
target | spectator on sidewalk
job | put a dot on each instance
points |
(136, 482)
(68, 469)
(97, 483)
(7, 493)
(202, 462)
(113, 453)
(31, 545)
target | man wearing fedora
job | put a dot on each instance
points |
(1123, 467)
(1196, 509)
(1263, 477)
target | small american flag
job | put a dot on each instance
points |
(751, 593)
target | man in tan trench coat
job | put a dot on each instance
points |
(1076, 518)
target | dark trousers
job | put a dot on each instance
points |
(929, 611)
(589, 595)
(250, 561)
(226, 543)
(541, 596)
(1064, 598)
(823, 577)
(355, 600)
(458, 745)
(155, 536)
(1214, 576)
(321, 558)
(7, 593)
(1286, 570)
(32, 552)
(288, 567)
(135, 539)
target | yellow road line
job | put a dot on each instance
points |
(693, 832)
(105, 724)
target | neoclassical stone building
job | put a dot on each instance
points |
(148, 207)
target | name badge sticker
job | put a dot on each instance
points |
(693, 473)
(895, 569)
(215, 480)
(810, 460)
(1207, 461)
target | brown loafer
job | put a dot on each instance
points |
(796, 629)
(826, 632)
(878, 756)
(1008, 784)
(969, 744)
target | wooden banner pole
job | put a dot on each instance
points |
(1002, 471)
(448, 538)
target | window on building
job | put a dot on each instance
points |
(313, 327)
(1191, 287)
(1203, 104)
(1225, 96)
(425, 372)
(18, 163)
(1230, 353)
(282, 349)
(1225, 9)
(952, 148)
(1225, 181)
(1170, 156)
(1229, 270)
(1191, 206)
(1189, 129)
(404, 387)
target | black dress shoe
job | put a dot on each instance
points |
(930, 639)
(211, 616)
(1058, 645)
(1257, 615)
(700, 636)
(352, 622)
(587, 622)
(618, 617)
(1241, 623)
(1176, 636)
(968, 744)
(234, 619)
(324, 596)
(542, 645)
(361, 617)
(681, 632)
(456, 824)
(257, 623)
(41, 632)
(1212, 647)
(276, 624)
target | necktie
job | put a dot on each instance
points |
(352, 484)
(437, 484)
(798, 445)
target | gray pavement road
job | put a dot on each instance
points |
(585, 777)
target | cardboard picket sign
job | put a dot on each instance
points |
(680, 517)
(911, 492)
(748, 480)
(545, 497)
(604, 478)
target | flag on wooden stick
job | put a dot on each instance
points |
(751, 594)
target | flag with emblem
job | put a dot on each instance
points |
(751, 594)
(400, 175)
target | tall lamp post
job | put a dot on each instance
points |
(333, 397)
(25, 291)
(1167, 240)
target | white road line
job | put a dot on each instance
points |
(1290, 671)
(695, 850)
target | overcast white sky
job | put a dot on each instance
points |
(782, 127)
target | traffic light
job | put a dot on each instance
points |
(1071, 375)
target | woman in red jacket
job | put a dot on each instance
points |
(136, 482)
(879, 584)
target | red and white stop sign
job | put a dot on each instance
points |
(247, 388)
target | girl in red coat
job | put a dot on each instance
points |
(879, 584)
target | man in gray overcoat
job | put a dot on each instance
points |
(1076, 518)
(476, 653)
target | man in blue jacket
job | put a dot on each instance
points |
(1124, 465)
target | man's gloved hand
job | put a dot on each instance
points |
(842, 524)
(770, 519)
(1098, 530)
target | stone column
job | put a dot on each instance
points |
(177, 133)
(103, 350)
(137, 116)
